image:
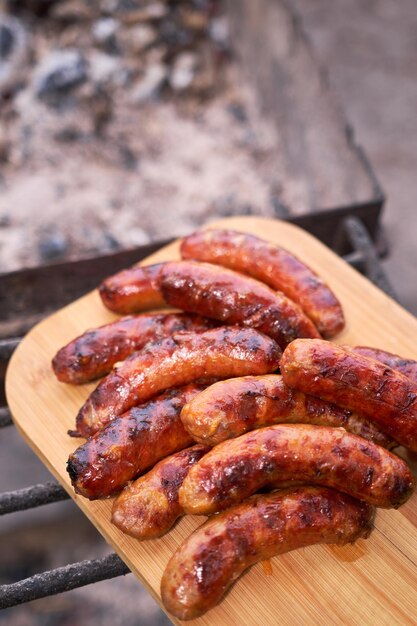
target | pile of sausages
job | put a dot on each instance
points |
(192, 409)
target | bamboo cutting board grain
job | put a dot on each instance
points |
(371, 582)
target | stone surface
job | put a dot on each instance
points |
(183, 71)
(140, 37)
(7, 41)
(194, 20)
(70, 11)
(4, 146)
(60, 72)
(149, 87)
(14, 49)
(145, 13)
(52, 246)
(219, 31)
(104, 32)
(105, 68)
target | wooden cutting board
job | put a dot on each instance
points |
(371, 582)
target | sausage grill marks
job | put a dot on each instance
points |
(131, 444)
(148, 507)
(355, 382)
(274, 266)
(94, 353)
(408, 367)
(174, 361)
(331, 457)
(216, 554)
(232, 298)
(232, 407)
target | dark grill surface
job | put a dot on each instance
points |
(345, 231)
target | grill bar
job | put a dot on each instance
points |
(5, 417)
(362, 243)
(30, 497)
(7, 347)
(62, 579)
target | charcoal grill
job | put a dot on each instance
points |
(26, 298)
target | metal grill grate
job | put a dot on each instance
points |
(351, 234)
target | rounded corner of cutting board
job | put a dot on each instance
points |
(315, 575)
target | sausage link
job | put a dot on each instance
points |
(148, 507)
(332, 457)
(272, 265)
(230, 408)
(133, 290)
(355, 382)
(227, 296)
(131, 444)
(94, 353)
(408, 367)
(175, 361)
(218, 552)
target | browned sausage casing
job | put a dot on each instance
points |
(148, 507)
(272, 265)
(408, 367)
(230, 408)
(356, 382)
(227, 296)
(131, 444)
(217, 553)
(175, 361)
(94, 353)
(332, 457)
(133, 290)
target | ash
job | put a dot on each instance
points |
(122, 122)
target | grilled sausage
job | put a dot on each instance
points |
(272, 265)
(357, 383)
(148, 507)
(408, 367)
(94, 353)
(131, 444)
(230, 408)
(133, 290)
(219, 551)
(319, 455)
(227, 296)
(174, 361)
